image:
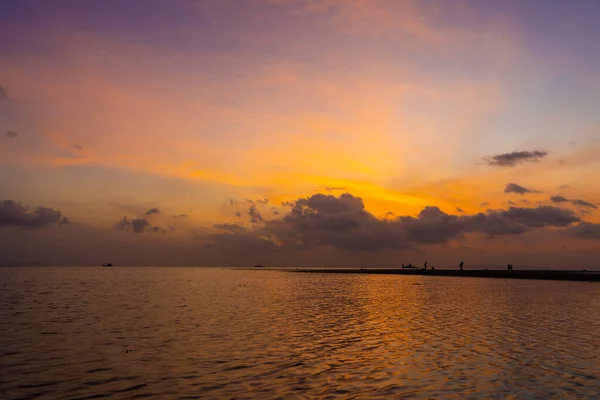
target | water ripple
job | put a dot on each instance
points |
(90, 333)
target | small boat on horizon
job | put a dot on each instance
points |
(107, 265)
(259, 266)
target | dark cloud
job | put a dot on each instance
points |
(15, 214)
(484, 204)
(152, 211)
(558, 199)
(3, 94)
(575, 202)
(492, 223)
(262, 201)
(180, 216)
(78, 147)
(540, 216)
(238, 214)
(563, 187)
(460, 210)
(11, 134)
(332, 189)
(585, 230)
(518, 189)
(582, 203)
(343, 223)
(514, 158)
(337, 222)
(137, 225)
(432, 226)
(254, 214)
(230, 227)
(512, 203)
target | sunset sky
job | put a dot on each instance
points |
(298, 132)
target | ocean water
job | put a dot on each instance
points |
(186, 333)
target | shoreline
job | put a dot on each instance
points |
(557, 275)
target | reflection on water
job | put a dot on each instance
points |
(217, 333)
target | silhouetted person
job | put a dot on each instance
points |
(433, 268)
(425, 265)
(461, 265)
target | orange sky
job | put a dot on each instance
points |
(401, 104)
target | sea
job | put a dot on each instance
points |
(226, 333)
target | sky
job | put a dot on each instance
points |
(300, 133)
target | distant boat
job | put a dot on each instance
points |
(107, 265)
(259, 266)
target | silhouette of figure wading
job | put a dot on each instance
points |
(461, 265)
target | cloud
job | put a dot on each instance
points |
(137, 225)
(514, 188)
(584, 230)
(3, 94)
(230, 227)
(262, 201)
(583, 203)
(484, 204)
(432, 226)
(338, 222)
(180, 216)
(558, 199)
(78, 147)
(15, 214)
(514, 158)
(152, 211)
(575, 202)
(254, 214)
(323, 220)
(460, 210)
(11, 134)
(512, 203)
(541, 216)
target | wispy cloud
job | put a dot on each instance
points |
(514, 158)
(152, 211)
(575, 202)
(518, 189)
(137, 225)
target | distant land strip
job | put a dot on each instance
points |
(557, 275)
